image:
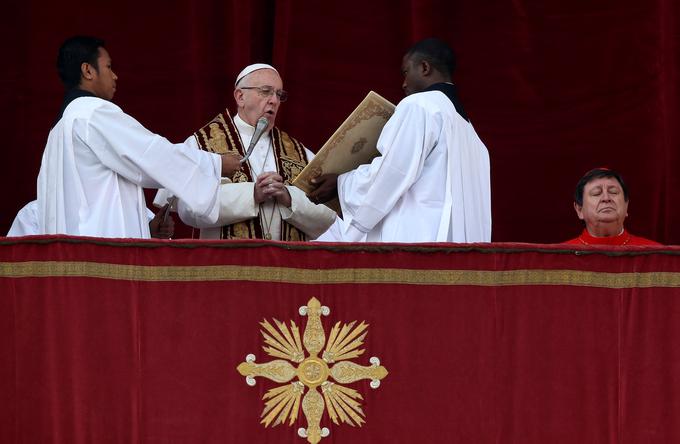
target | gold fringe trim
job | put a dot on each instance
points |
(340, 275)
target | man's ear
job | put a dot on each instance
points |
(579, 210)
(425, 68)
(87, 71)
(238, 96)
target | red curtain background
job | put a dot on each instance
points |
(554, 88)
(483, 344)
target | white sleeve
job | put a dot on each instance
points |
(305, 215)
(149, 160)
(368, 193)
(162, 197)
(236, 204)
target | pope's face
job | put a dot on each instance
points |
(603, 203)
(253, 104)
(103, 78)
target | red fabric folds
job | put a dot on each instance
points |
(116, 341)
(553, 88)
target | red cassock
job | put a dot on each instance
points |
(625, 238)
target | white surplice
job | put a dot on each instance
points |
(97, 162)
(26, 221)
(237, 200)
(431, 182)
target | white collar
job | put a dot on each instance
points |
(246, 129)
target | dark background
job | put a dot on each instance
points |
(554, 88)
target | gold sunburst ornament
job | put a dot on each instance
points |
(328, 372)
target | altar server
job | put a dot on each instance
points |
(98, 159)
(431, 182)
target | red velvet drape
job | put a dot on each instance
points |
(554, 88)
(108, 342)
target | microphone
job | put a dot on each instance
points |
(260, 126)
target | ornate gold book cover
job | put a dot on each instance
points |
(352, 144)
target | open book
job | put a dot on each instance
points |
(352, 144)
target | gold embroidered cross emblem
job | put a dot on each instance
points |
(283, 403)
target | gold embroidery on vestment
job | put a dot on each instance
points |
(290, 159)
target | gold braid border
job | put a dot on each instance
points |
(479, 278)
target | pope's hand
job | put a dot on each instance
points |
(269, 186)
